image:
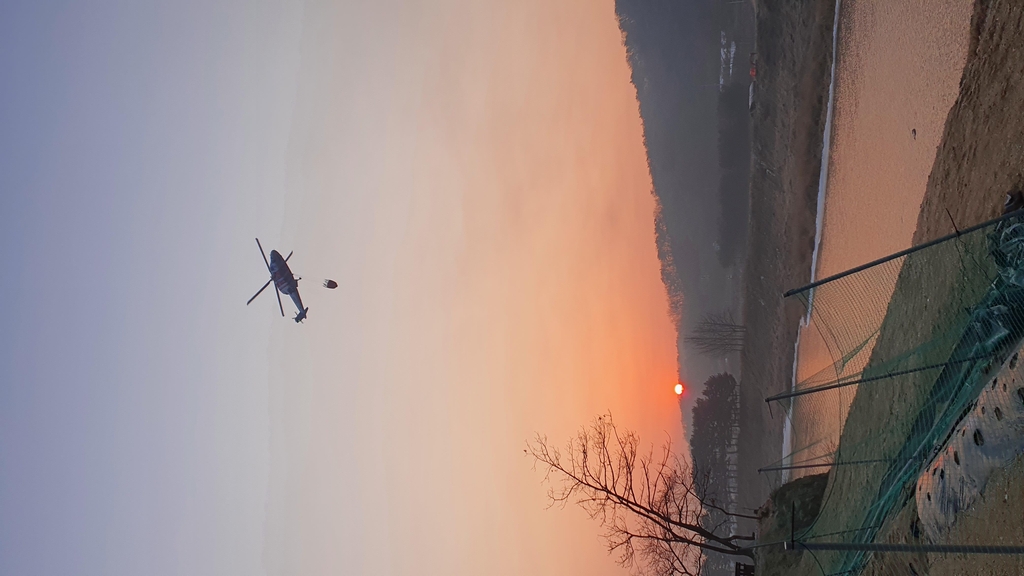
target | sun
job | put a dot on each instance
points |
(679, 389)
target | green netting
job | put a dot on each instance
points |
(891, 358)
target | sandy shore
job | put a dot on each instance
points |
(898, 74)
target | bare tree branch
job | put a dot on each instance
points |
(652, 507)
(717, 335)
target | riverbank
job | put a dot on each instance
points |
(794, 59)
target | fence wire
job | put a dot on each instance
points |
(893, 358)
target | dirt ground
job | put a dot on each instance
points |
(982, 152)
(980, 159)
(794, 47)
(996, 521)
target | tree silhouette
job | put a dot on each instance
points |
(652, 508)
(717, 335)
(714, 450)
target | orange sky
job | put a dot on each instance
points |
(506, 282)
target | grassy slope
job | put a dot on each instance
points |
(981, 158)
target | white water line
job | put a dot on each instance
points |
(787, 427)
(826, 148)
(819, 221)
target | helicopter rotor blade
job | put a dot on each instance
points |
(265, 261)
(260, 291)
(289, 255)
(279, 305)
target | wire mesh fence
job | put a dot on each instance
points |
(894, 357)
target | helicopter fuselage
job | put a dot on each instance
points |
(285, 280)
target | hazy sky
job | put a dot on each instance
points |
(471, 173)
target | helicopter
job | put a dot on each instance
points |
(284, 281)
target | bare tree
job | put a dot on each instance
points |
(717, 335)
(654, 510)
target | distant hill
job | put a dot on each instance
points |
(696, 132)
